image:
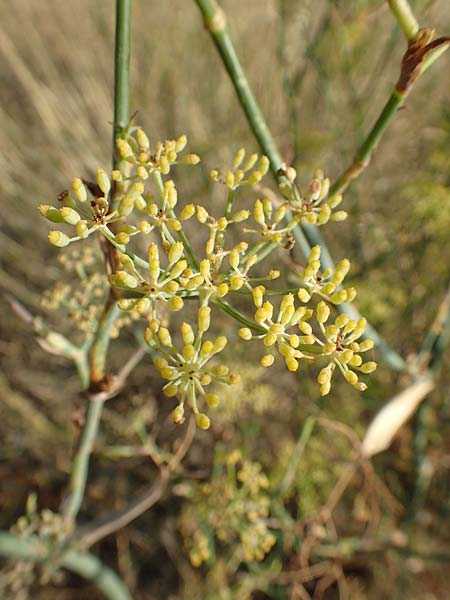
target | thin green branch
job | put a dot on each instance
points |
(297, 453)
(365, 151)
(85, 565)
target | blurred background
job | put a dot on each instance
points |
(322, 70)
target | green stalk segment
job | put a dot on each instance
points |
(85, 565)
(405, 17)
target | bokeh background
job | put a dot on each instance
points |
(322, 70)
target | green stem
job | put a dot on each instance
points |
(405, 17)
(238, 316)
(121, 71)
(289, 476)
(85, 565)
(100, 345)
(215, 22)
(367, 148)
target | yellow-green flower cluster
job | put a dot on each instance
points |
(339, 344)
(136, 150)
(325, 284)
(244, 172)
(290, 331)
(233, 508)
(315, 206)
(293, 336)
(85, 217)
(162, 284)
(186, 369)
(174, 272)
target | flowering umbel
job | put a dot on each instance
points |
(138, 200)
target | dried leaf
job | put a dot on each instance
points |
(393, 415)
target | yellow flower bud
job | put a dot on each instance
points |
(188, 351)
(205, 267)
(203, 421)
(207, 348)
(234, 259)
(305, 327)
(170, 390)
(181, 143)
(164, 336)
(339, 215)
(79, 189)
(50, 213)
(258, 295)
(325, 388)
(103, 181)
(269, 339)
(368, 367)
(220, 343)
(145, 227)
(250, 162)
(245, 333)
(175, 303)
(322, 312)
(339, 297)
(143, 305)
(58, 238)
(239, 157)
(366, 345)
(178, 415)
(190, 159)
(236, 282)
(240, 215)
(204, 318)
(164, 165)
(175, 252)
(267, 360)
(187, 212)
(126, 206)
(122, 238)
(69, 215)
(82, 229)
(222, 290)
(212, 399)
(124, 148)
(202, 214)
(355, 361)
(351, 377)
(334, 201)
(291, 363)
(187, 333)
(258, 213)
(329, 288)
(324, 215)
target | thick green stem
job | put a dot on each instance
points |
(85, 565)
(405, 17)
